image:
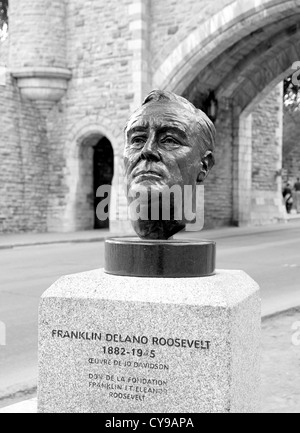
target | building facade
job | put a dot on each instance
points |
(75, 69)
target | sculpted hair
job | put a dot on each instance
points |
(206, 128)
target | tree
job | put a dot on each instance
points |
(3, 13)
(291, 95)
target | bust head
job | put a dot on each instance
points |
(168, 142)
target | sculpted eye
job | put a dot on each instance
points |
(138, 141)
(170, 140)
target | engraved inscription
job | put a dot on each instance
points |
(111, 369)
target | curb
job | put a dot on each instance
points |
(288, 311)
(207, 234)
(66, 241)
(22, 393)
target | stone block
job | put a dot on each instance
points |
(120, 344)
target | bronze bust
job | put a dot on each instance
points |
(168, 142)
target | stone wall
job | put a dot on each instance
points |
(175, 18)
(267, 142)
(267, 136)
(24, 160)
(219, 184)
(97, 103)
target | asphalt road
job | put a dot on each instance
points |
(271, 258)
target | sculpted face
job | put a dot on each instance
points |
(162, 149)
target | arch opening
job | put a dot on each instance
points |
(244, 185)
(95, 168)
(103, 172)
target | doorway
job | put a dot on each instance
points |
(103, 174)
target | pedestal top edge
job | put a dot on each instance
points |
(225, 288)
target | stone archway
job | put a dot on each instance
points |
(241, 53)
(181, 60)
(84, 137)
(95, 168)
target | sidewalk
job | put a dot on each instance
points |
(293, 216)
(30, 239)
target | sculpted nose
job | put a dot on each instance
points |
(150, 151)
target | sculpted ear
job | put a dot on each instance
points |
(207, 163)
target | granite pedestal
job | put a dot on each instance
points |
(113, 344)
